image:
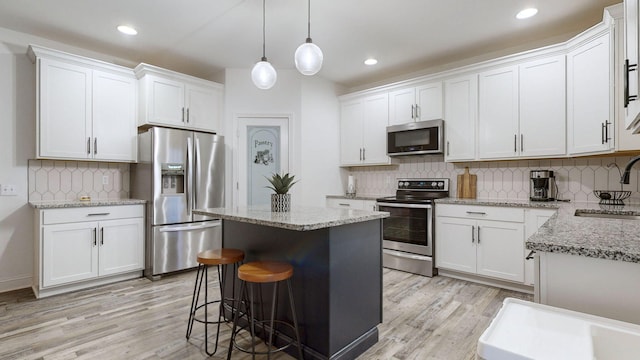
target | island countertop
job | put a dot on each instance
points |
(299, 218)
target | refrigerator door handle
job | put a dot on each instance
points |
(204, 225)
(187, 182)
(196, 165)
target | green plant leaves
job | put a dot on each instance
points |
(281, 184)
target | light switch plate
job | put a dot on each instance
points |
(8, 190)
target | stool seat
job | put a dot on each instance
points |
(220, 256)
(265, 271)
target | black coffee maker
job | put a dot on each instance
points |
(542, 185)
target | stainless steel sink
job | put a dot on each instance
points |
(607, 215)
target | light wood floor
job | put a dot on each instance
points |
(424, 318)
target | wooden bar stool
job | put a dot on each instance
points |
(260, 272)
(219, 258)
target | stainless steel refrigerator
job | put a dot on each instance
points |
(178, 171)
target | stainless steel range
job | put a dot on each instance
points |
(408, 233)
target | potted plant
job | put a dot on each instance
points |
(281, 184)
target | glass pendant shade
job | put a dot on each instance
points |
(264, 76)
(308, 58)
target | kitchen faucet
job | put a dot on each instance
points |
(624, 179)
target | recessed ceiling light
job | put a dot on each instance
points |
(526, 13)
(125, 29)
(371, 61)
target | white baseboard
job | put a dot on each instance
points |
(15, 283)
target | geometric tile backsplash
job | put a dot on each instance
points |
(576, 178)
(69, 180)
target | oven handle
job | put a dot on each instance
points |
(405, 255)
(412, 206)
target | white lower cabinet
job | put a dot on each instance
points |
(481, 240)
(82, 247)
(358, 204)
(534, 219)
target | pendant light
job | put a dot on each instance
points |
(264, 76)
(308, 56)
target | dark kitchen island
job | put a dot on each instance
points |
(337, 281)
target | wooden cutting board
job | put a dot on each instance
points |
(467, 185)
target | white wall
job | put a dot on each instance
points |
(313, 134)
(17, 145)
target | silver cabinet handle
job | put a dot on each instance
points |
(417, 111)
(606, 131)
(478, 237)
(476, 213)
(101, 236)
(95, 237)
(602, 133)
(530, 256)
(473, 234)
(515, 143)
(183, 114)
(98, 214)
(343, 204)
(187, 116)
(360, 154)
(95, 146)
(521, 143)
(88, 146)
(412, 112)
(364, 152)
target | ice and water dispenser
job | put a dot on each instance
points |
(172, 178)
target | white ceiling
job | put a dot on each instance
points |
(202, 37)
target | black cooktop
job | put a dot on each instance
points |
(418, 191)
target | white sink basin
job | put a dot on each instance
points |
(610, 343)
(523, 330)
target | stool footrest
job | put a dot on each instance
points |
(263, 325)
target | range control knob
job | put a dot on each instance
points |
(434, 184)
(441, 184)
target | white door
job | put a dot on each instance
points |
(65, 110)
(500, 250)
(498, 114)
(263, 149)
(429, 99)
(542, 107)
(121, 246)
(589, 110)
(461, 104)
(69, 253)
(455, 244)
(114, 117)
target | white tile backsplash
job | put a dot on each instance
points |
(69, 180)
(576, 178)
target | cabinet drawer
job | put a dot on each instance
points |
(94, 213)
(480, 212)
(345, 203)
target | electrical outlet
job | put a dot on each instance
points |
(105, 180)
(8, 190)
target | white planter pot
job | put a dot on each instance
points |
(280, 202)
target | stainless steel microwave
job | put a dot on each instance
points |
(417, 138)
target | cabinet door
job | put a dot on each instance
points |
(632, 110)
(589, 115)
(542, 107)
(460, 112)
(165, 101)
(429, 98)
(402, 106)
(498, 113)
(534, 219)
(369, 205)
(69, 253)
(203, 106)
(455, 246)
(114, 117)
(121, 246)
(500, 250)
(374, 131)
(64, 114)
(351, 117)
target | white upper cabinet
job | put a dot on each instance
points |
(460, 117)
(542, 113)
(363, 130)
(631, 58)
(419, 103)
(86, 109)
(590, 122)
(498, 113)
(177, 100)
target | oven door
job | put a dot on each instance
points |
(409, 228)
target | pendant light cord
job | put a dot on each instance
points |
(264, 57)
(309, 19)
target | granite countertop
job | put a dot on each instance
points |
(60, 204)
(604, 238)
(299, 218)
